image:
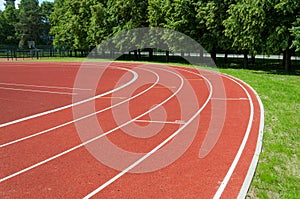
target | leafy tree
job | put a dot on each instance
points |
(71, 23)
(60, 24)
(263, 26)
(30, 22)
(2, 28)
(126, 15)
(158, 12)
(8, 20)
(178, 15)
(210, 16)
(245, 25)
(46, 10)
(295, 30)
(97, 29)
(281, 15)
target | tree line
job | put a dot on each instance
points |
(247, 26)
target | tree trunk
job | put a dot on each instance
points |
(287, 55)
(287, 61)
(139, 54)
(226, 57)
(201, 53)
(167, 56)
(284, 58)
(213, 54)
(151, 54)
(136, 55)
(252, 59)
(245, 59)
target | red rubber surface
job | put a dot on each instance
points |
(78, 173)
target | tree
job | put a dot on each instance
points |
(281, 15)
(2, 28)
(295, 30)
(210, 16)
(97, 29)
(74, 23)
(177, 15)
(46, 10)
(245, 25)
(126, 15)
(60, 26)
(263, 26)
(158, 12)
(30, 22)
(8, 20)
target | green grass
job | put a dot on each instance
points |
(278, 171)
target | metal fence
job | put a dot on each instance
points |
(231, 60)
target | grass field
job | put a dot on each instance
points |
(278, 171)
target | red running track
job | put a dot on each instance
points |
(125, 130)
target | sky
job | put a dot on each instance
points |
(2, 7)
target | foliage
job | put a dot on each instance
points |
(46, 10)
(97, 30)
(8, 19)
(210, 17)
(60, 26)
(29, 23)
(245, 25)
(249, 26)
(296, 34)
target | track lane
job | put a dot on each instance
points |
(131, 184)
(57, 137)
(178, 176)
(84, 100)
(240, 174)
(54, 117)
(57, 165)
(100, 110)
(154, 150)
(82, 144)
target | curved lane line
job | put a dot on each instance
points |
(81, 118)
(93, 139)
(154, 149)
(229, 173)
(73, 104)
(254, 162)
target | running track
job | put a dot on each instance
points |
(142, 131)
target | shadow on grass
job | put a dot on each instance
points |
(261, 66)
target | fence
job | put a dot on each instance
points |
(231, 60)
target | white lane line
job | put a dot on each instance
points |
(116, 177)
(95, 138)
(242, 146)
(43, 86)
(135, 75)
(161, 122)
(254, 162)
(230, 99)
(37, 91)
(84, 117)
